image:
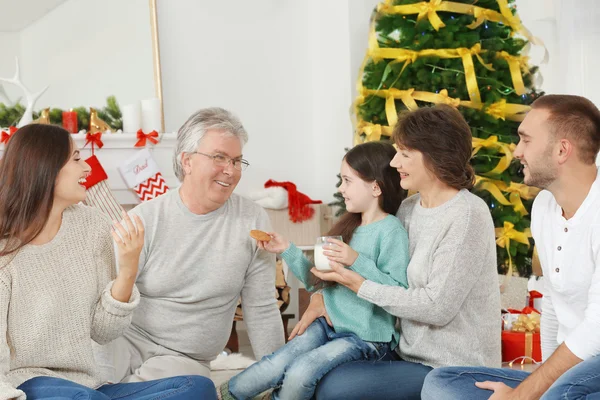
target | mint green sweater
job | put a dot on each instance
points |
(383, 257)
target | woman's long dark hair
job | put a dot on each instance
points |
(34, 156)
(371, 161)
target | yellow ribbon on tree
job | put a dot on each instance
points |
(524, 191)
(483, 14)
(478, 144)
(379, 53)
(516, 64)
(423, 9)
(504, 110)
(515, 23)
(430, 9)
(410, 56)
(490, 143)
(470, 77)
(518, 191)
(373, 132)
(492, 187)
(390, 111)
(437, 98)
(496, 187)
(507, 233)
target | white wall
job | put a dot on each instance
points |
(87, 50)
(539, 16)
(9, 49)
(281, 66)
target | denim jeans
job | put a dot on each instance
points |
(176, 388)
(580, 382)
(390, 378)
(295, 369)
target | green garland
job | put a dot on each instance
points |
(111, 114)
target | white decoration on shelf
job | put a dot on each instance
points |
(132, 117)
(30, 97)
(275, 198)
(151, 115)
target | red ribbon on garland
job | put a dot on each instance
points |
(94, 139)
(143, 137)
(5, 137)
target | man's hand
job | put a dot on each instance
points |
(315, 309)
(501, 391)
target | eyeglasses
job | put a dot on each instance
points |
(223, 161)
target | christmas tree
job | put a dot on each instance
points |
(471, 57)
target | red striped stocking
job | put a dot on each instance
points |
(98, 192)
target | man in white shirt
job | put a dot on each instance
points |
(560, 140)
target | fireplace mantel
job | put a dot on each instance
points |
(117, 148)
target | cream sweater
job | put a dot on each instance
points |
(54, 298)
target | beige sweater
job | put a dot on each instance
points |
(54, 298)
(449, 313)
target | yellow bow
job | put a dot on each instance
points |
(495, 188)
(524, 191)
(373, 132)
(503, 110)
(478, 143)
(516, 193)
(492, 142)
(423, 9)
(507, 233)
(483, 14)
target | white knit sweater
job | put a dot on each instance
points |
(54, 298)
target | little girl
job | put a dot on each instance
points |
(378, 250)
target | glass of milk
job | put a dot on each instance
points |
(321, 261)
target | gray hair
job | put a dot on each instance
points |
(194, 129)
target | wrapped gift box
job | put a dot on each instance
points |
(521, 344)
(521, 335)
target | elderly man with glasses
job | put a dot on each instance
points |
(198, 259)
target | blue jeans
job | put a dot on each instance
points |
(580, 382)
(295, 368)
(176, 388)
(390, 378)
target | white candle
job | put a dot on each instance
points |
(151, 115)
(132, 117)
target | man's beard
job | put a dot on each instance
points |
(540, 176)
